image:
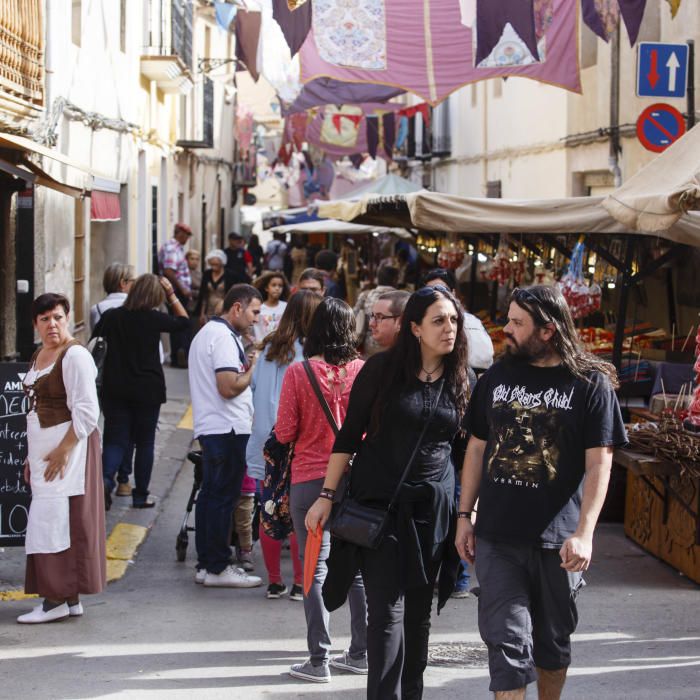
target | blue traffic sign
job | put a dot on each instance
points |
(659, 126)
(662, 70)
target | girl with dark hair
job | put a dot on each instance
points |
(275, 291)
(301, 418)
(278, 351)
(133, 386)
(390, 407)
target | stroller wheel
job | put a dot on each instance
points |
(181, 546)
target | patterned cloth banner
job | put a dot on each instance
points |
(506, 27)
(603, 16)
(341, 126)
(247, 39)
(422, 109)
(429, 51)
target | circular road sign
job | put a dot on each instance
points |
(659, 126)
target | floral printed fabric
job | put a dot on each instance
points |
(351, 33)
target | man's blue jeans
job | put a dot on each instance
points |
(129, 425)
(223, 468)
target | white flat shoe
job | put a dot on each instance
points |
(75, 610)
(38, 615)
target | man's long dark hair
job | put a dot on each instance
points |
(403, 361)
(332, 333)
(547, 305)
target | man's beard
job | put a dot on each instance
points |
(530, 350)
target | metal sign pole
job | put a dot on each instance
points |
(691, 84)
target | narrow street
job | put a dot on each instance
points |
(155, 634)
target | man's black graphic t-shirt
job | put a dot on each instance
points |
(538, 422)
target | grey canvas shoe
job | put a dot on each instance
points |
(345, 662)
(308, 672)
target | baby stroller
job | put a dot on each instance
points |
(195, 456)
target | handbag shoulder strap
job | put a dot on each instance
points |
(412, 458)
(321, 399)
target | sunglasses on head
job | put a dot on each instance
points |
(427, 291)
(519, 295)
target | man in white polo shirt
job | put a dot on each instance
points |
(222, 406)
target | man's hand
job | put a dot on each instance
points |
(464, 540)
(56, 462)
(576, 553)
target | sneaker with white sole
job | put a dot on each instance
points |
(345, 662)
(231, 577)
(39, 615)
(308, 672)
(297, 592)
(276, 590)
(200, 575)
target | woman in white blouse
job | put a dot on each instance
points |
(65, 540)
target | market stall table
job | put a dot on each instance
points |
(662, 510)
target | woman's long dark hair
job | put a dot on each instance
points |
(547, 305)
(294, 325)
(403, 361)
(332, 333)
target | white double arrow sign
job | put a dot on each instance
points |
(673, 64)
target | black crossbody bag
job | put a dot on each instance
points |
(352, 521)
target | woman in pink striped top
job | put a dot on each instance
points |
(330, 349)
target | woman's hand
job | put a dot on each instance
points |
(56, 462)
(26, 475)
(318, 513)
(167, 286)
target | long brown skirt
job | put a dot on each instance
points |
(82, 567)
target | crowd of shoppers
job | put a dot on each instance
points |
(343, 389)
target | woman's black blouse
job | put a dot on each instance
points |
(381, 458)
(132, 369)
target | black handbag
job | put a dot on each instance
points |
(355, 522)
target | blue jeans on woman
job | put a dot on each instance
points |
(127, 423)
(223, 469)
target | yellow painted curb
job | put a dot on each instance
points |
(187, 422)
(16, 594)
(124, 540)
(116, 568)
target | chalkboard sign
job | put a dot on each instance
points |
(14, 492)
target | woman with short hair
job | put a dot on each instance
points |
(65, 540)
(334, 363)
(117, 280)
(133, 385)
(216, 281)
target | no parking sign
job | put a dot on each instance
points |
(659, 126)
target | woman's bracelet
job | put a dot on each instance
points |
(467, 514)
(328, 494)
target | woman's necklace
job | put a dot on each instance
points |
(429, 373)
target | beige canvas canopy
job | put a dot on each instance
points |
(660, 194)
(337, 227)
(433, 211)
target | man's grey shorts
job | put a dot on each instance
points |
(527, 611)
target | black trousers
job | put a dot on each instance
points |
(398, 626)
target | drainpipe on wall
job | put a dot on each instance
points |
(485, 118)
(613, 160)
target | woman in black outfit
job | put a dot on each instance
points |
(133, 385)
(390, 403)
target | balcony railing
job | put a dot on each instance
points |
(167, 55)
(22, 55)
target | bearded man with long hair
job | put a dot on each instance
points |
(541, 419)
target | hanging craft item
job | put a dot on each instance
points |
(583, 299)
(694, 410)
(501, 270)
(451, 255)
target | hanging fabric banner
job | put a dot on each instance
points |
(389, 127)
(505, 33)
(675, 4)
(247, 39)
(422, 109)
(632, 12)
(294, 22)
(341, 126)
(603, 16)
(225, 12)
(429, 51)
(467, 11)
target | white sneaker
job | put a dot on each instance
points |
(75, 610)
(37, 616)
(232, 578)
(200, 575)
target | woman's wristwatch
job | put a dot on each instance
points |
(467, 514)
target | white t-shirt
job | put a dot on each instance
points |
(268, 320)
(218, 348)
(478, 342)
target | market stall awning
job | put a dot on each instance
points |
(337, 227)
(432, 211)
(660, 193)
